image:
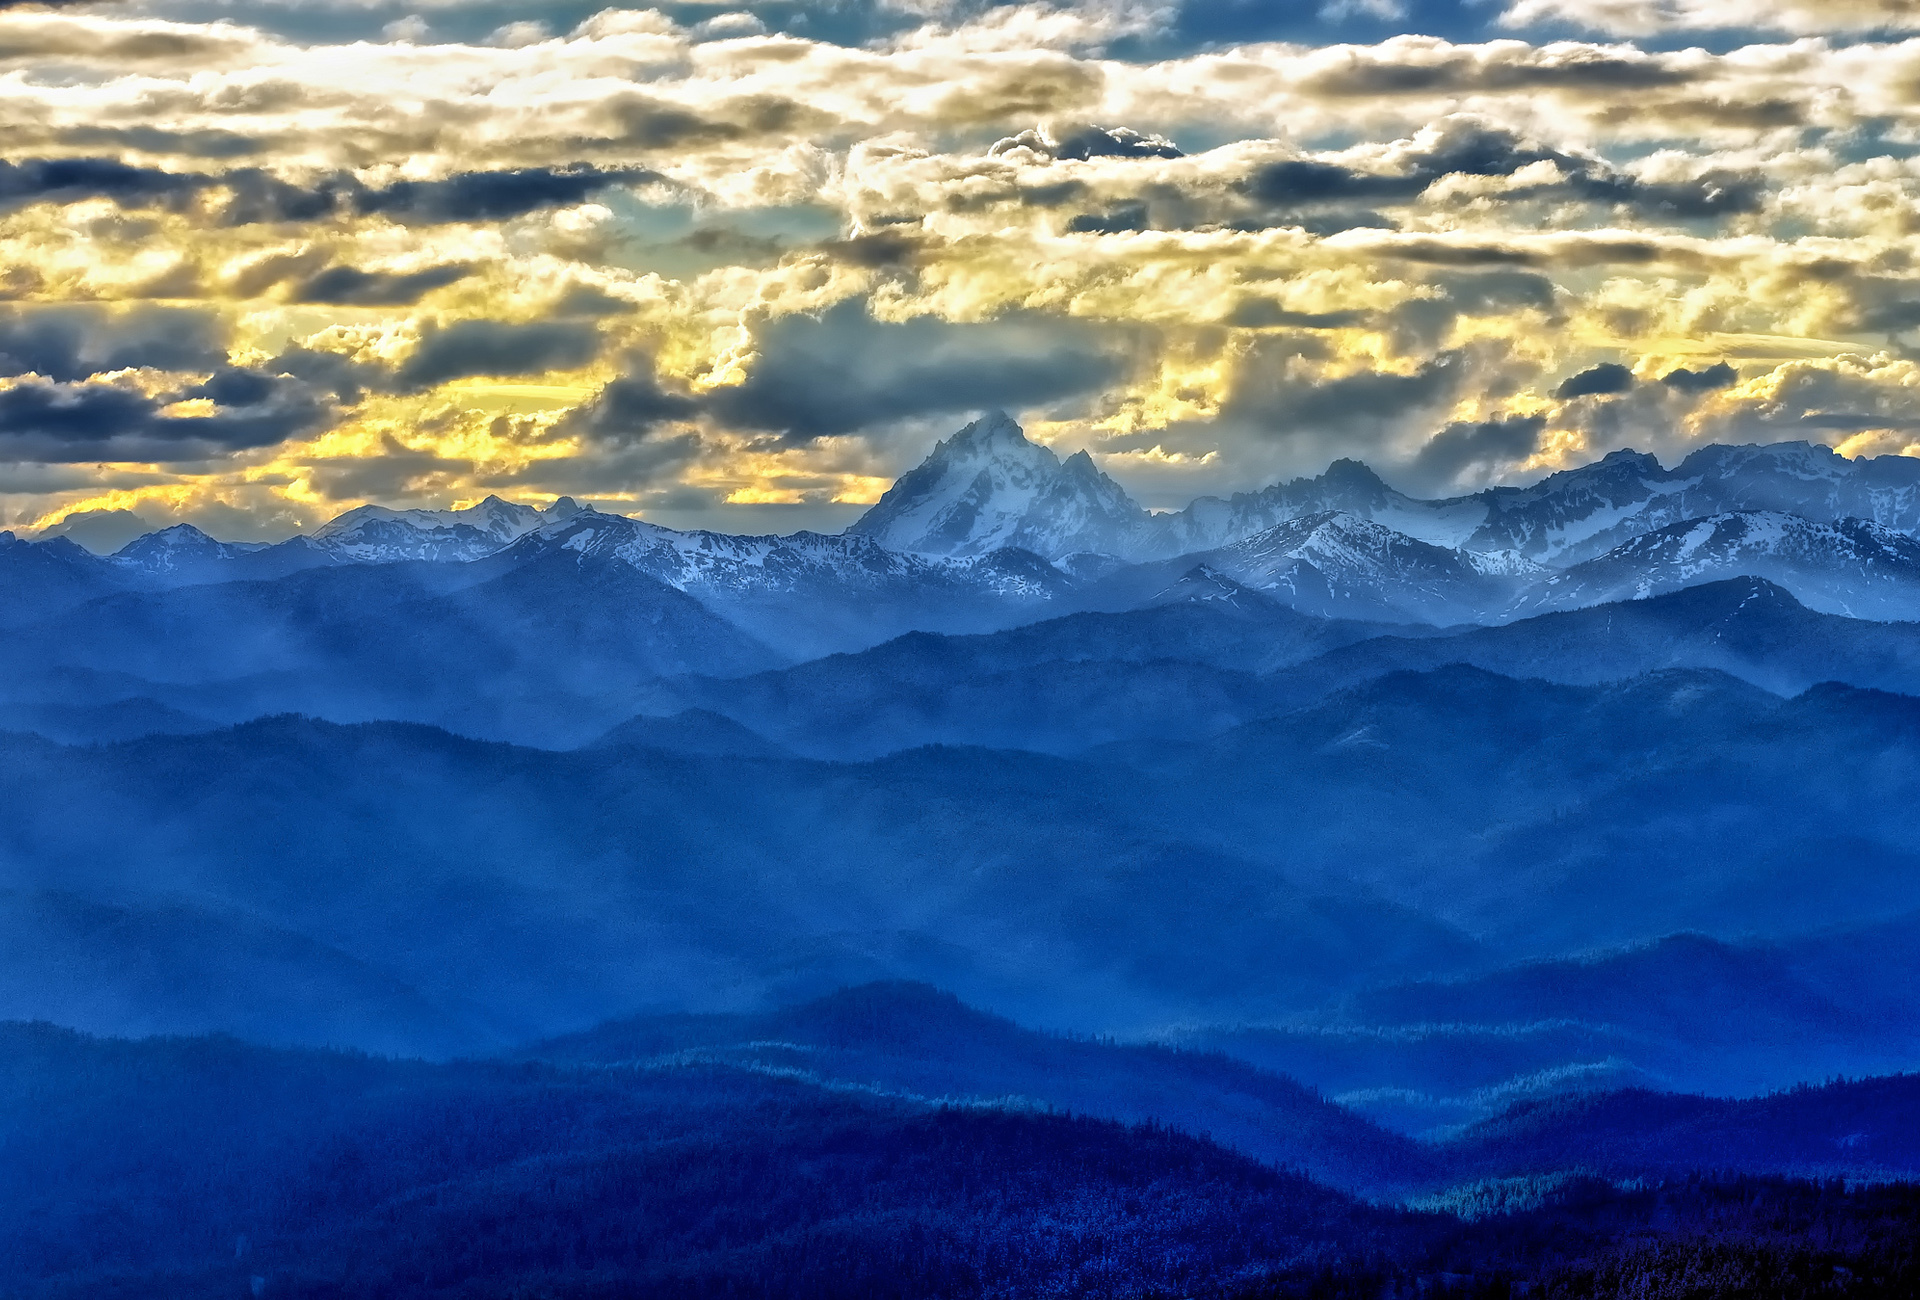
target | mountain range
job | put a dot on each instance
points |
(1409, 843)
(994, 531)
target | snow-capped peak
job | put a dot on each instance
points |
(988, 487)
(177, 548)
(380, 534)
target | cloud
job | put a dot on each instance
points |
(66, 180)
(1282, 397)
(95, 421)
(1116, 221)
(252, 195)
(66, 343)
(844, 370)
(1350, 245)
(1486, 446)
(1425, 66)
(1473, 148)
(1606, 378)
(351, 286)
(494, 195)
(28, 36)
(397, 472)
(1265, 313)
(1720, 375)
(1077, 144)
(628, 410)
(466, 349)
(1649, 17)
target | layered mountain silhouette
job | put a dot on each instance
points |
(1494, 852)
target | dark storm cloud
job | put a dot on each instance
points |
(1488, 446)
(77, 422)
(1274, 398)
(1702, 381)
(1715, 193)
(254, 196)
(1605, 378)
(1881, 304)
(465, 349)
(1469, 148)
(68, 180)
(1265, 313)
(843, 370)
(67, 343)
(643, 122)
(628, 410)
(1114, 142)
(1118, 221)
(632, 436)
(1466, 72)
(494, 195)
(876, 251)
(470, 348)
(351, 286)
(332, 372)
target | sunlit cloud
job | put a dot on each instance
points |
(703, 267)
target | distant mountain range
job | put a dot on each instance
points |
(993, 530)
(1438, 807)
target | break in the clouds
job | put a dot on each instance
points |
(261, 263)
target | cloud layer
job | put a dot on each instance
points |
(261, 265)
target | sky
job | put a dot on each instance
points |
(738, 267)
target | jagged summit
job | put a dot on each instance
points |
(988, 487)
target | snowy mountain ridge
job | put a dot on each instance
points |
(987, 487)
(1850, 567)
(993, 528)
(373, 534)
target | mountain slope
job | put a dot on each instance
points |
(530, 891)
(809, 594)
(1341, 566)
(1747, 627)
(196, 1168)
(1848, 567)
(554, 649)
(183, 556)
(1177, 668)
(41, 579)
(1347, 487)
(1857, 1128)
(1686, 1013)
(987, 487)
(1548, 818)
(912, 1039)
(379, 535)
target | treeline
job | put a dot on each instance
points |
(1693, 1238)
(208, 1168)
